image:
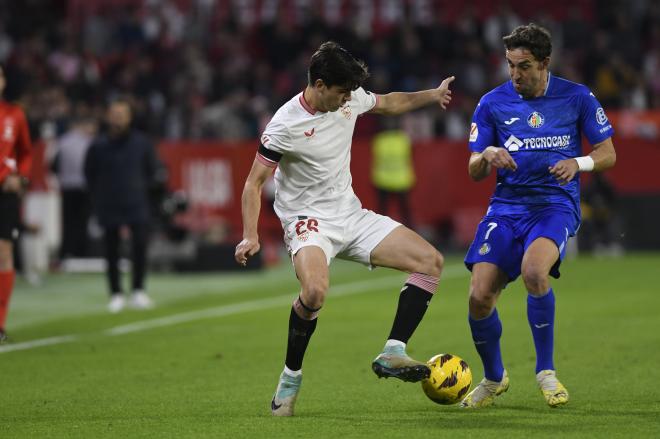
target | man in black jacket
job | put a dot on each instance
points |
(120, 167)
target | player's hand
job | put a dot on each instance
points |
(245, 249)
(499, 158)
(564, 170)
(444, 94)
(12, 183)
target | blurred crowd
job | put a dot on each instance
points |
(217, 69)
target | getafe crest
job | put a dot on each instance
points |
(535, 119)
(484, 249)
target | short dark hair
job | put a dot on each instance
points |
(334, 65)
(532, 37)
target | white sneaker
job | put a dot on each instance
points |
(117, 303)
(140, 300)
(285, 395)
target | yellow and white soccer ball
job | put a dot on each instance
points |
(450, 379)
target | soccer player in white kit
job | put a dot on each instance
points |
(308, 141)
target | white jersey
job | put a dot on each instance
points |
(313, 150)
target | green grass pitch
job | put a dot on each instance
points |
(205, 362)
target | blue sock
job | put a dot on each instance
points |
(541, 317)
(486, 335)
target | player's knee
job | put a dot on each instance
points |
(6, 258)
(314, 292)
(482, 298)
(535, 278)
(430, 262)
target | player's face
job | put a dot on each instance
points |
(335, 97)
(528, 75)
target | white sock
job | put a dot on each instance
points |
(391, 343)
(292, 373)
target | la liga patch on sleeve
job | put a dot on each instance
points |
(474, 132)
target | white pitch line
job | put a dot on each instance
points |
(347, 289)
(38, 343)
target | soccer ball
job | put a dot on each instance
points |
(450, 379)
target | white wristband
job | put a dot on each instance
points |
(585, 163)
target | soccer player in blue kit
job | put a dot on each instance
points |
(529, 129)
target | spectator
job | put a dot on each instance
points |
(68, 166)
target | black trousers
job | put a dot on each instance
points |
(75, 216)
(401, 198)
(139, 242)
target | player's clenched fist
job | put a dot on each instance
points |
(245, 249)
(500, 158)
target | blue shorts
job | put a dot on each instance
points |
(503, 240)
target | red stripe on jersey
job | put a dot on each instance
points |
(264, 161)
(305, 105)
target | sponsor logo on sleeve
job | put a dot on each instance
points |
(601, 118)
(474, 132)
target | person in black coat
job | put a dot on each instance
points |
(120, 168)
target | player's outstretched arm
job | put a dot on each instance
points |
(250, 208)
(399, 102)
(603, 157)
(481, 163)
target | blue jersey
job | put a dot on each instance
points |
(538, 133)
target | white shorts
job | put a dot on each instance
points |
(351, 237)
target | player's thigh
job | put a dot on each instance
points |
(487, 281)
(405, 250)
(545, 242)
(6, 255)
(311, 265)
(541, 255)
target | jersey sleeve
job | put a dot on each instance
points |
(482, 129)
(595, 125)
(23, 147)
(275, 142)
(363, 100)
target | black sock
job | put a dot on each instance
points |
(413, 302)
(300, 331)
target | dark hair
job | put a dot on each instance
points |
(334, 65)
(532, 37)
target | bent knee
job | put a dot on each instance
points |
(430, 262)
(482, 298)
(314, 291)
(535, 279)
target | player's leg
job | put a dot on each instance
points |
(405, 250)
(6, 283)
(494, 259)
(111, 242)
(139, 243)
(9, 220)
(311, 266)
(486, 285)
(540, 257)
